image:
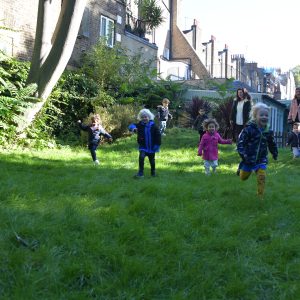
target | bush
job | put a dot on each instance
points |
(70, 101)
(14, 96)
(222, 114)
(116, 118)
(192, 108)
(14, 71)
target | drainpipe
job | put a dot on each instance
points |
(212, 55)
(194, 31)
(226, 61)
(171, 29)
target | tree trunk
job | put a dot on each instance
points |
(50, 59)
(42, 43)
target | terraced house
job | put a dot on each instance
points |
(101, 18)
(173, 52)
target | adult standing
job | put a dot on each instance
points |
(240, 112)
(294, 113)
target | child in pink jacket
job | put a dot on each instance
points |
(209, 145)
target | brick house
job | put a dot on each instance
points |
(101, 18)
(178, 50)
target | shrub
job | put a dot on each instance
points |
(222, 114)
(192, 109)
(12, 70)
(116, 118)
(70, 100)
(11, 108)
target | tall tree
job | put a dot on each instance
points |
(52, 51)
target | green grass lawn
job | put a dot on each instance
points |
(97, 233)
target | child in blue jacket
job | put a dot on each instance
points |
(253, 144)
(148, 138)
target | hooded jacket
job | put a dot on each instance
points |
(209, 145)
(94, 133)
(148, 136)
(294, 139)
(163, 113)
(253, 144)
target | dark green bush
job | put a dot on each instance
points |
(70, 101)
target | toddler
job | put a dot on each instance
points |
(163, 115)
(294, 140)
(148, 138)
(253, 144)
(95, 131)
(198, 124)
(208, 147)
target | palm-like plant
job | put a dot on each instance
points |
(151, 13)
(222, 114)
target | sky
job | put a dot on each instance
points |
(265, 31)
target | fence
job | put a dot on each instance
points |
(281, 138)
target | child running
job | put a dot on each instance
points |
(294, 140)
(253, 144)
(208, 146)
(95, 131)
(148, 138)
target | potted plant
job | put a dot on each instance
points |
(151, 14)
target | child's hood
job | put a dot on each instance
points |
(254, 124)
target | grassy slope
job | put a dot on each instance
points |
(95, 232)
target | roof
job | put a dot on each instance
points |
(272, 100)
(236, 84)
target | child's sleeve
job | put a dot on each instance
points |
(272, 145)
(223, 141)
(157, 136)
(105, 133)
(290, 137)
(242, 141)
(132, 127)
(158, 111)
(83, 127)
(201, 145)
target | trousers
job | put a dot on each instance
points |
(261, 179)
(151, 157)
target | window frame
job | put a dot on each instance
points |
(107, 30)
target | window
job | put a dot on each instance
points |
(107, 30)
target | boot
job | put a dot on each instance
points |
(261, 181)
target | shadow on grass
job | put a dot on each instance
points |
(99, 232)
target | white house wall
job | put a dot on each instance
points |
(177, 70)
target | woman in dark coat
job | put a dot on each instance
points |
(240, 112)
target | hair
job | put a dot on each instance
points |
(237, 94)
(246, 94)
(255, 109)
(165, 100)
(146, 112)
(297, 88)
(96, 118)
(206, 122)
